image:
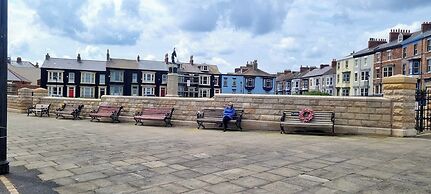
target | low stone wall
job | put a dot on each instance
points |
(389, 115)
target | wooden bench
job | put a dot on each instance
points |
(39, 109)
(69, 110)
(216, 116)
(155, 114)
(321, 119)
(106, 111)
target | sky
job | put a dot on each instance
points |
(279, 34)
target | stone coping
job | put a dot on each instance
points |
(72, 99)
(305, 97)
(158, 98)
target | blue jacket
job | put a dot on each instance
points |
(229, 112)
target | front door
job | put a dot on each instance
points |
(162, 92)
(71, 92)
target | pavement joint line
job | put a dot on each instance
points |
(9, 186)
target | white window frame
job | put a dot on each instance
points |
(217, 91)
(387, 72)
(113, 75)
(58, 74)
(206, 91)
(225, 82)
(429, 65)
(100, 88)
(148, 90)
(216, 80)
(252, 80)
(415, 49)
(134, 90)
(148, 77)
(59, 90)
(134, 78)
(204, 80)
(165, 78)
(83, 90)
(71, 78)
(102, 79)
(84, 77)
(266, 81)
(120, 93)
(389, 54)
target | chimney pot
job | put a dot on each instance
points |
(18, 60)
(78, 58)
(138, 58)
(108, 57)
(47, 57)
(426, 26)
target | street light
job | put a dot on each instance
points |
(4, 164)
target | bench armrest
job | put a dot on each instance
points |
(138, 114)
(200, 114)
(93, 111)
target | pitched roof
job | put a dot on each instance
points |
(122, 64)
(285, 76)
(25, 71)
(153, 65)
(13, 76)
(61, 63)
(416, 36)
(317, 72)
(21, 64)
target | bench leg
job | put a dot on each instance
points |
(333, 130)
(200, 124)
(238, 124)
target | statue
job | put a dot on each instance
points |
(173, 56)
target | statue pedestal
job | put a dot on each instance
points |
(172, 90)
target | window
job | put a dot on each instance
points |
(429, 65)
(56, 91)
(297, 84)
(317, 82)
(204, 92)
(356, 62)
(71, 77)
(102, 91)
(88, 78)
(135, 90)
(365, 75)
(287, 85)
(365, 61)
(134, 78)
(388, 71)
(225, 82)
(102, 79)
(268, 83)
(355, 93)
(234, 82)
(404, 52)
(345, 92)
(416, 68)
(117, 76)
(377, 73)
(364, 91)
(429, 45)
(311, 82)
(233, 91)
(116, 90)
(204, 80)
(404, 69)
(204, 68)
(148, 77)
(415, 49)
(389, 54)
(148, 91)
(356, 76)
(346, 77)
(164, 79)
(216, 91)
(87, 92)
(378, 57)
(338, 78)
(55, 76)
(338, 65)
(279, 86)
(329, 81)
(216, 79)
(347, 64)
(250, 82)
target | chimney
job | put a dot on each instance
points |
(334, 63)
(47, 57)
(237, 70)
(393, 35)
(18, 60)
(37, 65)
(287, 71)
(138, 58)
(78, 58)
(426, 26)
(254, 65)
(323, 66)
(303, 69)
(312, 68)
(191, 59)
(167, 58)
(374, 42)
(108, 57)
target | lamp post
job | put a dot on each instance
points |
(4, 164)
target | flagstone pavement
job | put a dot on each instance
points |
(101, 157)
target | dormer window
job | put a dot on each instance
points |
(204, 68)
(400, 37)
(250, 82)
(268, 83)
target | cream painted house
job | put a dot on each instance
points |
(344, 76)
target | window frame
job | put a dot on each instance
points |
(148, 77)
(83, 90)
(121, 91)
(134, 78)
(386, 71)
(71, 78)
(149, 89)
(114, 73)
(102, 77)
(59, 76)
(84, 77)
(134, 90)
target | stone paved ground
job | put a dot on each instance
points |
(87, 157)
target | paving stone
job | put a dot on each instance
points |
(249, 182)
(186, 174)
(122, 188)
(88, 176)
(55, 175)
(192, 183)
(286, 172)
(268, 176)
(213, 179)
(224, 187)
(176, 188)
(282, 187)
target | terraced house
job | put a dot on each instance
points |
(344, 73)
(283, 82)
(321, 79)
(248, 79)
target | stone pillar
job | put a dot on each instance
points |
(172, 90)
(401, 89)
(25, 99)
(39, 93)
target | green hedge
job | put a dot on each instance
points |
(316, 93)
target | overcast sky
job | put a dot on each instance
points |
(279, 34)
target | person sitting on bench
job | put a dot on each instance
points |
(228, 114)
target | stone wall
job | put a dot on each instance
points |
(389, 115)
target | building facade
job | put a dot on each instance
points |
(283, 82)
(21, 74)
(343, 76)
(248, 79)
(321, 79)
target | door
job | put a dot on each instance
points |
(71, 92)
(102, 91)
(162, 92)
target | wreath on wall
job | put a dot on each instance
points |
(306, 115)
